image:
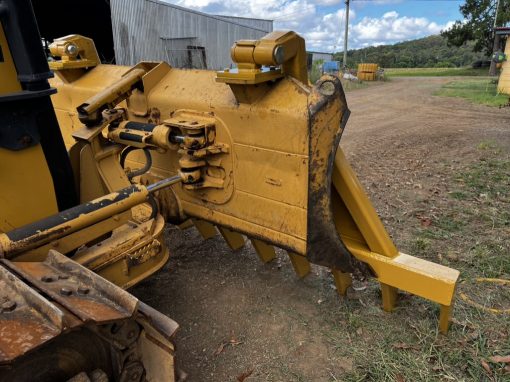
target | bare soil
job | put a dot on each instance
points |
(410, 149)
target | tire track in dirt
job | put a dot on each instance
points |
(397, 135)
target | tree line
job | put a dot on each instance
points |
(429, 52)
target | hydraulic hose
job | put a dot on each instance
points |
(140, 171)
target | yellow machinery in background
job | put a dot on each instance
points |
(257, 152)
(504, 78)
(367, 72)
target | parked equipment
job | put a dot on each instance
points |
(250, 151)
(367, 72)
(257, 150)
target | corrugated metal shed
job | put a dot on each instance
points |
(321, 56)
(266, 25)
(151, 30)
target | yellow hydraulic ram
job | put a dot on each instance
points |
(77, 218)
(257, 150)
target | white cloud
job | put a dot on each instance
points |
(324, 32)
(392, 27)
(278, 10)
(328, 2)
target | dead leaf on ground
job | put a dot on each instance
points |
(245, 375)
(235, 342)
(425, 222)
(232, 342)
(399, 378)
(500, 358)
(487, 368)
(507, 369)
(220, 348)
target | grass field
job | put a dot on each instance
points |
(482, 91)
(435, 72)
(478, 213)
(353, 85)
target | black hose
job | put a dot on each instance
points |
(140, 171)
(154, 205)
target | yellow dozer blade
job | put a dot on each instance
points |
(257, 149)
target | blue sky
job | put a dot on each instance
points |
(321, 22)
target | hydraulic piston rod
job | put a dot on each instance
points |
(84, 215)
(163, 183)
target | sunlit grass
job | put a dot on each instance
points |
(482, 91)
(435, 72)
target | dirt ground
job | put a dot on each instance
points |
(437, 170)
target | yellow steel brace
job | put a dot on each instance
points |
(364, 235)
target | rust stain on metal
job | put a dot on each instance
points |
(155, 115)
(20, 334)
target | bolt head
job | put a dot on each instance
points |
(8, 306)
(65, 291)
(71, 49)
(83, 290)
(279, 54)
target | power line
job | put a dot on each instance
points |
(288, 14)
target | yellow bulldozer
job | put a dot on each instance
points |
(90, 177)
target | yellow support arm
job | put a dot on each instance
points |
(372, 245)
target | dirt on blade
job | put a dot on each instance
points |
(438, 172)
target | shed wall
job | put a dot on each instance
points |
(148, 30)
(322, 56)
(266, 25)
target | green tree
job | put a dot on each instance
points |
(316, 71)
(424, 52)
(478, 24)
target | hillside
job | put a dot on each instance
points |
(425, 52)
